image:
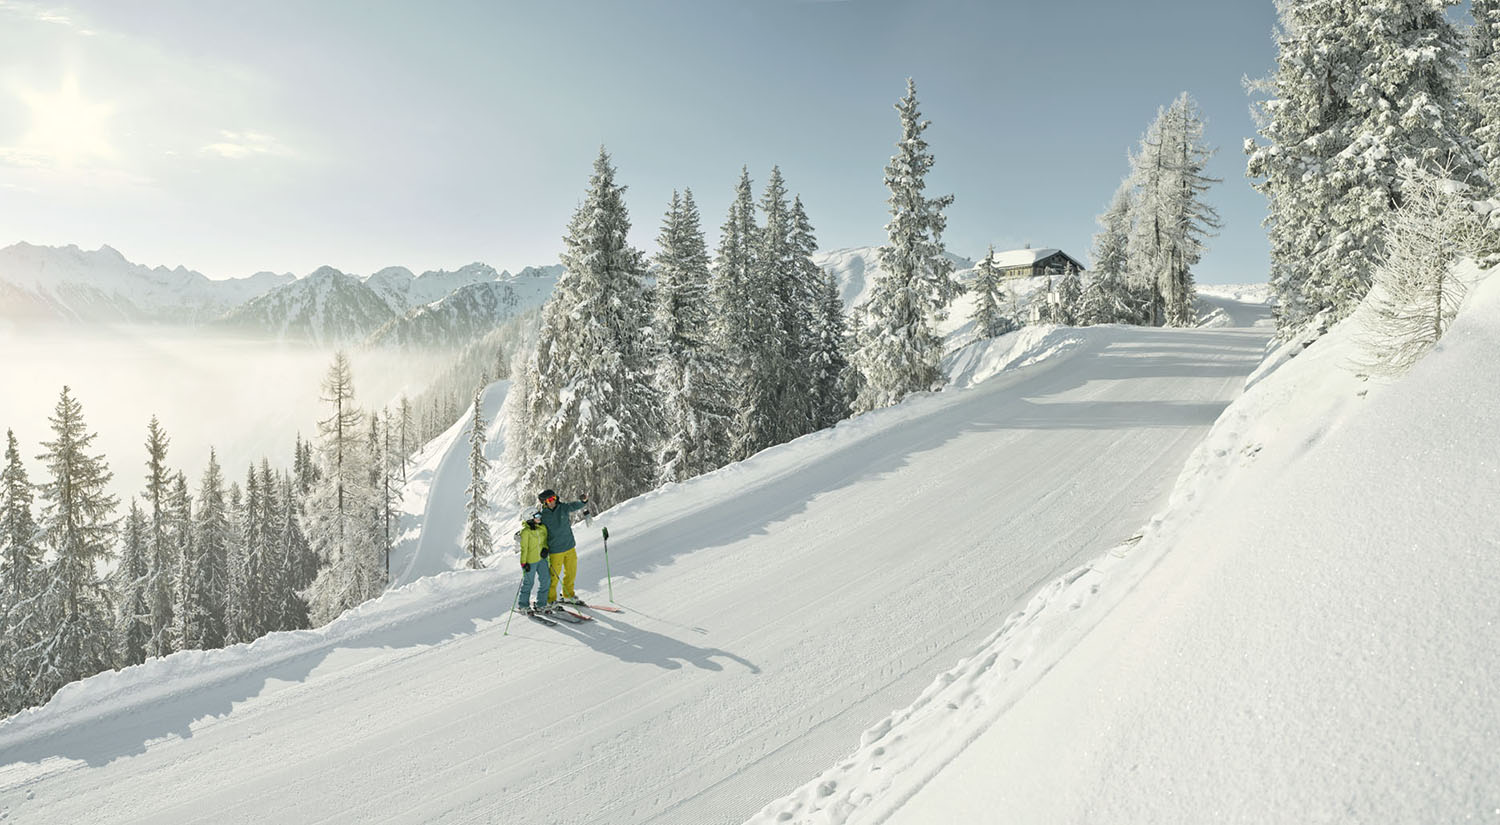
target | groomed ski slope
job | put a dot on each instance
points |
(774, 611)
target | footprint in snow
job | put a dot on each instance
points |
(827, 788)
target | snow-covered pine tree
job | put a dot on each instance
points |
(20, 570)
(1484, 87)
(20, 552)
(769, 331)
(691, 372)
(340, 503)
(1417, 292)
(477, 540)
(206, 592)
(1108, 299)
(180, 539)
(161, 555)
(296, 564)
(1358, 88)
(236, 621)
(806, 296)
(1069, 296)
(590, 412)
(74, 627)
(990, 320)
(734, 267)
(828, 385)
(899, 351)
(1170, 218)
(133, 608)
(255, 531)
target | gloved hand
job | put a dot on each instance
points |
(584, 499)
(545, 551)
(526, 565)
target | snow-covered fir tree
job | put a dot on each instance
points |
(133, 616)
(1417, 291)
(392, 485)
(588, 418)
(20, 570)
(733, 270)
(179, 533)
(477, 539)
(828, 384)
(805, 295)
(899, 350)
(236, 621)
(1108, 298)
(1170, 219)
(339, 504)
(1069, 296)
(1484, 87)
(691, 372)
(1358, 88)
(297, 564)
(206, 583)
(161, 555)
(73, 625)
(770, 330)
(990, 319)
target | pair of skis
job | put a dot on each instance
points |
(570, 616)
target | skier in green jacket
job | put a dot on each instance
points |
(562, 549)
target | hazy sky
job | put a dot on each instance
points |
(287, 134)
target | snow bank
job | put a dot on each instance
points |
(1307, 633)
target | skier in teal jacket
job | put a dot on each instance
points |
(562, 548)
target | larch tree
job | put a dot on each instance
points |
(339, 504)
(477, 539)
(899, 350)
(1170, 219)
(74, 628)
(1417, 290)
(589, 416)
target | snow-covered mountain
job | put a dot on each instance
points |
(855, 269)
(44, 283)
(327, 306)
(404, 292)
(470, 311)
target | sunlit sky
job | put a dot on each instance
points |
(284, 135)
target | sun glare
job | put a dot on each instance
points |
(66, 128)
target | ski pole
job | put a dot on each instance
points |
(513, 602)
(607, 577)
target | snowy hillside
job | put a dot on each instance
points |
(774, 609)
(41, 283)
(1306, 635)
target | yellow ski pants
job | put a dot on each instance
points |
(564, 566)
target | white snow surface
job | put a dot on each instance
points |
(1305, 634)
(774, 610)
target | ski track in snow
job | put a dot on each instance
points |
(775, 610)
